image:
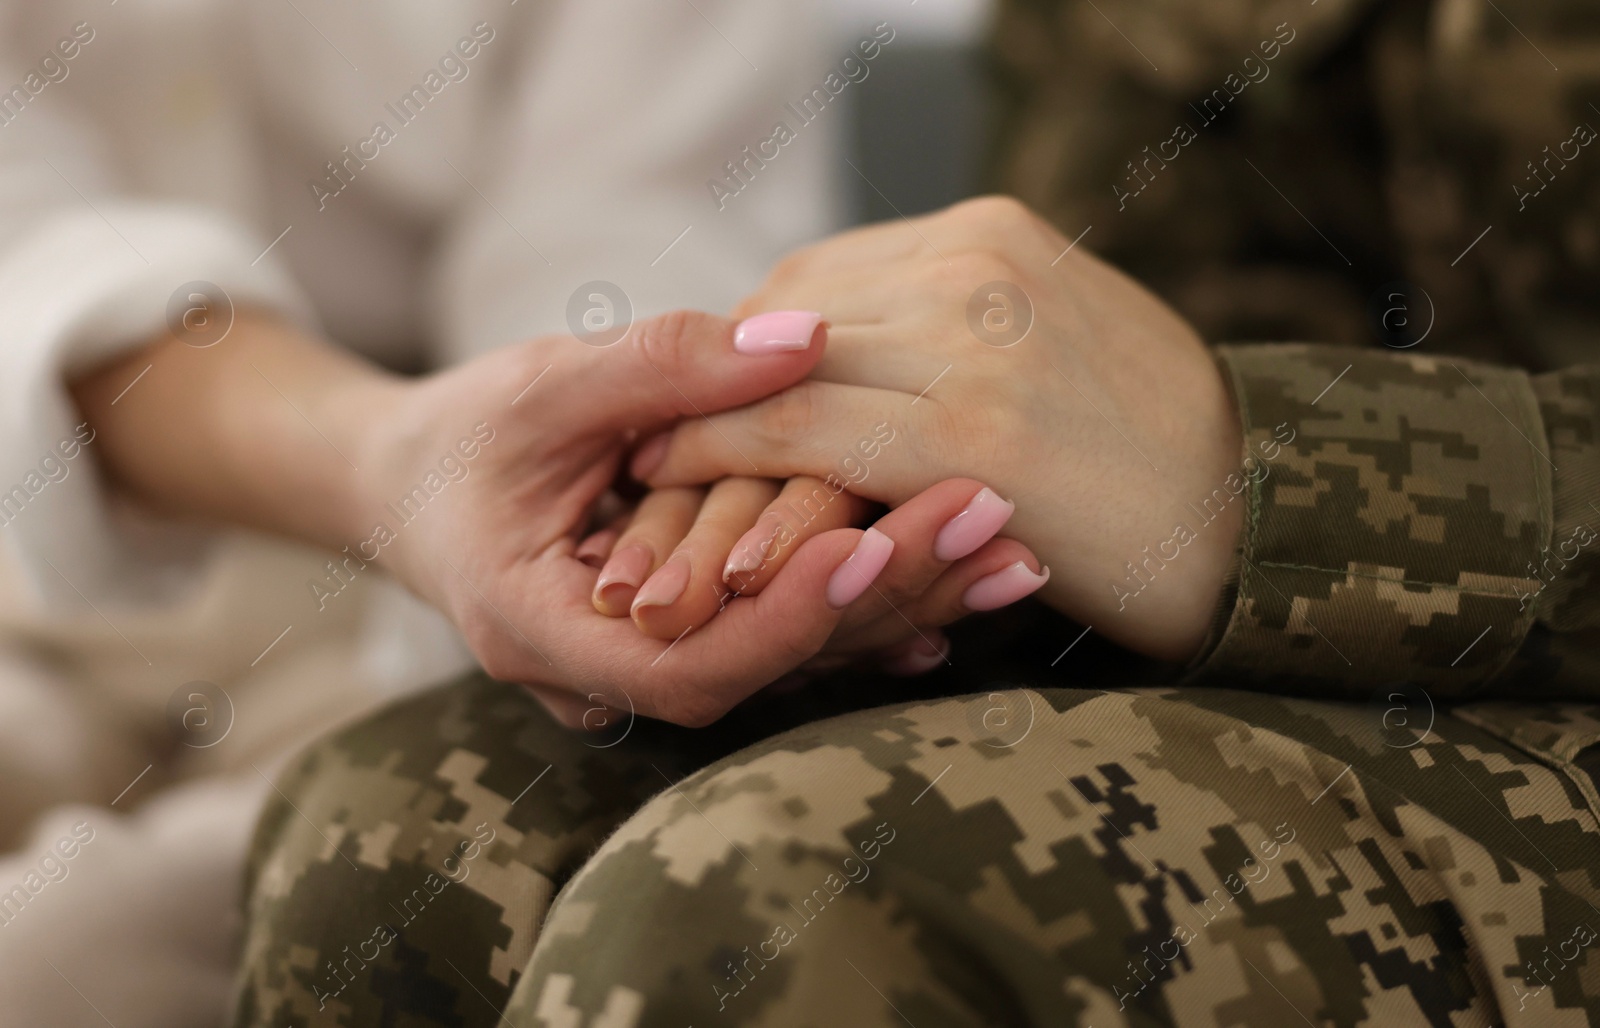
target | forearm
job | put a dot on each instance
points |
(266, 428)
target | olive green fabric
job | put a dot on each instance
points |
(1028, 856)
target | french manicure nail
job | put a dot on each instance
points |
(1003, 587)
(666, 585)
(750, 552)
(627, 567)
(920, 657)
(775, 332)
(850, 579)
(984, 516)
(647, 458)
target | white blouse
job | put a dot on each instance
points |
(420, 180)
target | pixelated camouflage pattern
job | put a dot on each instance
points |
(366, 817)
(1039, 856)
(1570, 407)
(1435, 518)
(1391, 536)
(1381, 141)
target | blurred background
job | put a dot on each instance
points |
(919, 125)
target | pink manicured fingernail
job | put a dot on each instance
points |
(750, 552)
(1004, 587)
(776, 332)
(594, 550)
(974, 526)
(647, 458)
(850, 579)
(666, 585)
(920, 657)
(627, 567)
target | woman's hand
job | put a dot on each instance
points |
(1105, 421)
(473, 486)
(672, 562)
(675, 561)
(502, 556)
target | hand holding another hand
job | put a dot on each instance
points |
(1097, 410)
(918, 568)
(500, 548)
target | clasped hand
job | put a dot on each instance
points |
(769, 455)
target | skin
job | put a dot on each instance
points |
(703, 527)
(276, 430)
(1102, 423)
(915, 595)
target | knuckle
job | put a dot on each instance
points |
(971, 437)
(995, 211)
(989, 397)
(666, 340)
(974, 267)
(1004, 229)
(717, 522)
(798, 264)
(696, 454)
(792, 414)
(899, 594)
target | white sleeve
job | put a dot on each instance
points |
(86, 273)
(620, 117)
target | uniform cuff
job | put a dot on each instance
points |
(1568, 570)
(1395, 504)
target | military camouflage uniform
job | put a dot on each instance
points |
(1373, 798)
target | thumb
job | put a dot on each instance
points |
(683, 364)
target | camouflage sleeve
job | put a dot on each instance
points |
(1412, 518)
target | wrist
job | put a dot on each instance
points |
(1152, 587)
(1180, 632)
(321, 415)
(1178, 580)
(367, 423)
(1150, 574)
(425, 447)
(389, 430)
(265, 429)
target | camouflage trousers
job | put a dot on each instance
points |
(1023, 854)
